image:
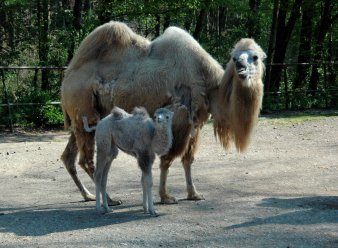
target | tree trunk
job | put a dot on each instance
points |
(304, 50)
(2, 26)
(77, 16)
(283, 35)
(323, 28)
(187, 22)
(221, 20)
(201, 20)
(103, 11)
(43, 20)
(253, 21)
(272, 41)
(166, 21)
(158, 25)
(332, 81)
(86, 6)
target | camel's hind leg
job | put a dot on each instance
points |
(69, 157)
(104, 157)
(86, 162)
(187, 160)
(86, 145)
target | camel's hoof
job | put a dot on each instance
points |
(195, 197)
(114, 202)
(103, 210)
(153, 214)
(106, 210)
(168, 200)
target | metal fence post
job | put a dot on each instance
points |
(325, 87)
(286, 88)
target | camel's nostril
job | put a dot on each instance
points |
(240, 66)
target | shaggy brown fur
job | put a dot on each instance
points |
(116, 67)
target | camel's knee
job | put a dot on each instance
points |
(165, 163)
(188, 156)
(87, 164)
(147, 179)
(187, 160)
(68, 156)
(86, 145)
(71, 150)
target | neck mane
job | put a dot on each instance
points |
(236, 109)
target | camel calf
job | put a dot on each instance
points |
(138, 135)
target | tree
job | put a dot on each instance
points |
(305, 43)
(253, 21)
(272, 41)
(201, 19)
(326, 21)
(284, 28)
(43, 23)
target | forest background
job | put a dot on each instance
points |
(300, 38)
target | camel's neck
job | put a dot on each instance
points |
(162, 139)
(235, 109)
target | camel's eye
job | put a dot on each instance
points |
(234, 59)
(167, 117)
(255, 58)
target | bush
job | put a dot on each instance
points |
(40, 114)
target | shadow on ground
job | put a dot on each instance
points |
(303, 211)
(44, 220)
(32, 136)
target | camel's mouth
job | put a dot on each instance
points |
(160, 118)
(242, 73)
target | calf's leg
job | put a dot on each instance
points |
(145, 162)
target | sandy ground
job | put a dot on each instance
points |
(281, 193)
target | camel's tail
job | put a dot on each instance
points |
(86, 126)
(66, 119)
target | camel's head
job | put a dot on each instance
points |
(163, 116)
(247, 61)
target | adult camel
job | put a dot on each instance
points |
(114, 66)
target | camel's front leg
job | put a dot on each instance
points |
(145, 162)
(149, 183)
(187, 160)
(165, 197)
(147, 186)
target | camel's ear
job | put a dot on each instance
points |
(263, 56)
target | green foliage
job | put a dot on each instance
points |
(32, 106)
(41, 114)
(33, 35)
(15, 2)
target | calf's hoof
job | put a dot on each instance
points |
(152, 213)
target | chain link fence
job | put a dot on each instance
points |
(23, 101)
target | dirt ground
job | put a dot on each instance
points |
(283, 192)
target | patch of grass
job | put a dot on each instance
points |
(297, 118)
(289, 118)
